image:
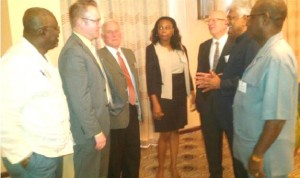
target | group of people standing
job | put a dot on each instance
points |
(246, 86)
(250, 95)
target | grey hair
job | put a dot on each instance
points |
(242, 7)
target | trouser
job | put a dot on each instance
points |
(38, 166)
(125, 151)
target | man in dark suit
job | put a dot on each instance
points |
(212, 57)
(125, 135)
(87, 91)
(242, 53)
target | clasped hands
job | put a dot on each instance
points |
(208, 81)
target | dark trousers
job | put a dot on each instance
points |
(89, 162)
(125, 151)
(212, 132)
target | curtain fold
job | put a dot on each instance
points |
(137, 19)
(292, 28)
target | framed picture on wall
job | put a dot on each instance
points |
(204, 7)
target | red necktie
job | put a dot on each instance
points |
(128, 79)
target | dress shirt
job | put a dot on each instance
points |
(92, 48)
(222, 41)
(34, 111)
(268, 91)
(113, 51)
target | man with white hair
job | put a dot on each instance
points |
(225, 85)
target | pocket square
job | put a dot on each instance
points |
(226, 58)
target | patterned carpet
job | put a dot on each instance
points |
(192, 161)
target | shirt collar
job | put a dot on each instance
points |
(221, 40)
(113, 50)
(85, 41)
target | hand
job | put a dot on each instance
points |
(25, 162)
(209, 81)
(255, 167)
(157, 112)
(192, 101)
(100, 141)
(213, 82)
(200, 79)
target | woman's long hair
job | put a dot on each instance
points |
(176, 37)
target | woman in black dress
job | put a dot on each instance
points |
(168, 83)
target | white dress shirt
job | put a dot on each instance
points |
(113, 51)
(34, 112)
(222, 41)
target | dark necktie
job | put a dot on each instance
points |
(216, 56)
(128, 79)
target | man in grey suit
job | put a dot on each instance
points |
(120, 62)
(87, 91)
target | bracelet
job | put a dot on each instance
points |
(256, 158)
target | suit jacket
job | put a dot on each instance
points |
(119, 81)
(243, 52)
(153, 73)
(84, 86)
(203, 99)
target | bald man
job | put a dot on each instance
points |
(35, 128)
(265, 104)
(211, 58)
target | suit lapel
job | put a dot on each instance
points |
(86, 50)
(131, 63)
(206, 52)
(111, 61)
(226, 51)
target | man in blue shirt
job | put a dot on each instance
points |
(266, 99)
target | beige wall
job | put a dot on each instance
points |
(5, 28)
(16, 9)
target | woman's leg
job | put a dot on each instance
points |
(163, 143)
(174, 142)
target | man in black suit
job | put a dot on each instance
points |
(243, 52)
(212, 57)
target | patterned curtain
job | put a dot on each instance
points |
(292, 27)
(137, 19)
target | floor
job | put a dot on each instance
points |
(192, 161)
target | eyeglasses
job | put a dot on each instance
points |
(57, 28)
(232, 17)
(213, 20)
(165, 28)
(254, 15)
(96, 21)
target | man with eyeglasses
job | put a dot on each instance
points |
(87, 90)
(212, 58)
(265, 104)
(242, 53)
(35, 126)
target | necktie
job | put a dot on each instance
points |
(128, 79)
(108, 92)
(216, 56)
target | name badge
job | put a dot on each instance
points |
(242, 86)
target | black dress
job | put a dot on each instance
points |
(175, 110)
